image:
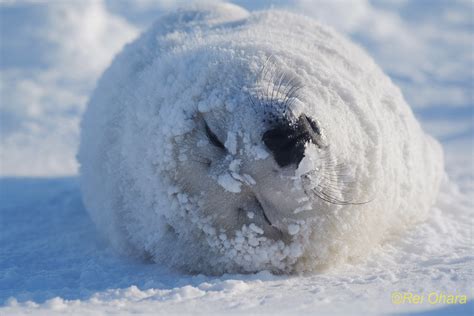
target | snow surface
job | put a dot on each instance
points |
(51, 257)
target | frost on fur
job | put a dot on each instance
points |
(173, 166)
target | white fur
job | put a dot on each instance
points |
(143, 146)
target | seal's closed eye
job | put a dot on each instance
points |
(213, 138)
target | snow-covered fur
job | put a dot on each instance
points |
(174, 166)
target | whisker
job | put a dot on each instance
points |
(334, 181)
(281, 88)
(253, 103)
(328, 199)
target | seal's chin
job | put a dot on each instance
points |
(273, 228)
(278, 205)
(258, 211)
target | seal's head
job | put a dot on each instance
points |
(241, 162)
(222, 141)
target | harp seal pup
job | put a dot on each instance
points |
(227, 141)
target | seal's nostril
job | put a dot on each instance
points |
(287, 140)
(287, 143)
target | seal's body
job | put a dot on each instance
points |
(223, 141)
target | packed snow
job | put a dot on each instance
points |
(53, 260)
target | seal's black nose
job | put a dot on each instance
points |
(287, 140)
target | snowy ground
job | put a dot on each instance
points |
(51, 258)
